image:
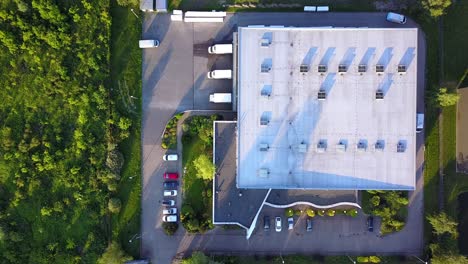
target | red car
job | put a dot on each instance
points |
(171, 175)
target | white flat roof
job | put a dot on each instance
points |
(298, 121)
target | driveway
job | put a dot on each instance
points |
(174, 81)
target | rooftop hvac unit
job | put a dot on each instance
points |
(265, 68)
(342, 68)
(302, 148)
(341, 147)
(362, 68)
(264, 147)
(379, 68)
(401, 146)
(321, 146)
(322, 95)
(304, 68)
(265, 42)
(264, 121)
(322, 68)
(263, 173)
(379, 145)
(362, 146)
(265, 92)
(401, 69)
(379, 95)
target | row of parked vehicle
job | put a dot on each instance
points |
(279, 223)
(170, 185)
(220, 49)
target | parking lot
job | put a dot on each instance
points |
(174, 80)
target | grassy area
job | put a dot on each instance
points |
(126, 80)
(193, 186)
(197, 203)
(455, 40)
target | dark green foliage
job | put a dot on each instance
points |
(132, 3)
(391, 206)
(57, 118)
(170, 228)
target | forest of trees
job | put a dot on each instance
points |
(59, 130)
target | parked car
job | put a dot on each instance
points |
(168, 202)
(171, 184)
(170, 157)
(170, 211)
(290, 223)
(169, 218)
(148, 43)
(278, 224)
(370, 224)
(171, 175)
(396, 18)
(266, 223)
(309, 225)
(170, 193)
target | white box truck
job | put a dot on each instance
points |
(149, 43)
(219, 74)
(220, 98)
(220, 49)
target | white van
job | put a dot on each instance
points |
(220, 74)
(149, 43)
(419, 122)
(220, 49)
(396, 18)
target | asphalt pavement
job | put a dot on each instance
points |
(174, 80)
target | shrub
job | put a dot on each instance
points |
(374, 259)
(298, 212)
(310, 212)
(114, 205)
(114, 161)
(331, 212)
(204, 166)
(321, 212)
(170, 228)
(289, 212)
(362, 259)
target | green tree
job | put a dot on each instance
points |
(198, 258)
(436, 8)
(204, 166)
(442, 223)
(375, 200)
(114, 205)
(114, 255)
(289, 212)
(447, 99)
(133, 3)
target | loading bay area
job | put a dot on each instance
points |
(174, 80)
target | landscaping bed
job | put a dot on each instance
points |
(169, 140)
(198, 174)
